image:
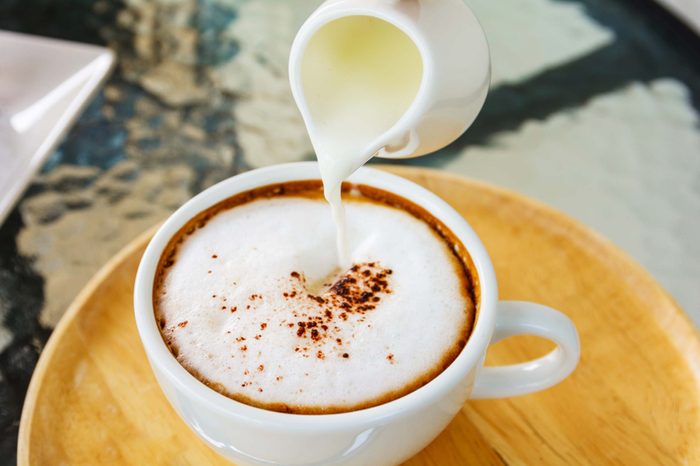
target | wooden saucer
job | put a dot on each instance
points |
(634, 399)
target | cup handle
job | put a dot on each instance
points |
(524, 318)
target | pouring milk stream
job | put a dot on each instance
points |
(393, 79)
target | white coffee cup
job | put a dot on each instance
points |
(456, 69)
(385, 434)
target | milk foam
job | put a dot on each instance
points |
(233, 302)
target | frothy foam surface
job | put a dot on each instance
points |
(252, 304)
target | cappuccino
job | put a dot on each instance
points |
(250, 300)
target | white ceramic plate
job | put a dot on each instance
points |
(44, 84)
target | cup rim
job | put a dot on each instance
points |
(161, 358)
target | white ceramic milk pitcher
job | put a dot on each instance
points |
(451, 89)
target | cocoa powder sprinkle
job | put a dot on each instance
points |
(322, 316)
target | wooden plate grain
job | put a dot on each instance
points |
(634, 399)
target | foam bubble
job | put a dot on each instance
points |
(254, 306)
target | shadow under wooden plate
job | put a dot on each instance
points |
(634, 399)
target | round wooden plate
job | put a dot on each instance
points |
(634, 399)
